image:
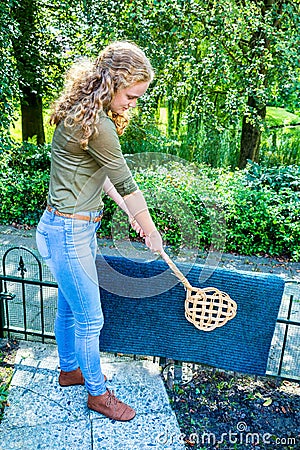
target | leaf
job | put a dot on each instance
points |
(190, 443)
(267, 402)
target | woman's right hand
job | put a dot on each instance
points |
(154, 241)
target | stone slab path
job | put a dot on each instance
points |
(43, 415)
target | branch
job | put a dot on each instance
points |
(217, 92)
(229, 52)
(278, 20)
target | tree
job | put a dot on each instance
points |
(40, 51)
(252, 59)
(218, 63)
(7, 71)
(275, 18)
(27, 54)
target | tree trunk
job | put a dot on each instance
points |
(26, 51)
(251, 135)
(32, 117)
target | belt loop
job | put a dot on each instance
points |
(97, 216)
(52, 212)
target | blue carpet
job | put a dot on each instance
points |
(143, 306)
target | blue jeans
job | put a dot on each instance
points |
(68, 246)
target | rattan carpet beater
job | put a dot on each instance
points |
(206, 308)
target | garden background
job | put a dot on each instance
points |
(215, 142)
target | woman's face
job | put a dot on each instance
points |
(126, 98)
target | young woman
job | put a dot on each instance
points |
(87, 160)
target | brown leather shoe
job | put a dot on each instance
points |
(110, 406)
(72, 378)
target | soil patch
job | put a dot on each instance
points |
(222, 410)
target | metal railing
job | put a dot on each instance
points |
(284, 357)
(22, 306)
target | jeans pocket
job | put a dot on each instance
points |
(75, 226)
(43, 244)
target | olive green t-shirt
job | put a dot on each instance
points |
(77, 175)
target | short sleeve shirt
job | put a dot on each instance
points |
(77, 175)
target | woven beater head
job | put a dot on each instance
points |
(208, 308)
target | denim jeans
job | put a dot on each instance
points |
(68, 246)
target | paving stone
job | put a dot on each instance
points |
(43, 415)
(23, 375)
(29, 407)
(144, 399)
(124, 372)
(36, 354)
(60, 436)
(149, 431)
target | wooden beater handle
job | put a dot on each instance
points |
(175, 270)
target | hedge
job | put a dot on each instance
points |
(254, 211)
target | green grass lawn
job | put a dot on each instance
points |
(279, 116)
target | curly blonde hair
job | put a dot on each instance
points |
(91, 86)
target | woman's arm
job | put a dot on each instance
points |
(136, 208)
(111, 191)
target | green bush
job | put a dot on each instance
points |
(24, 181)
(277, 178)
(253, 211)
(182, 203)
(262, 211)
(24, 156)
(23, 196)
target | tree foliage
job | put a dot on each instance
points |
(7, 70)
(218, 64)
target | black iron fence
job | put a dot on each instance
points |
(27, 301)
(28, 296)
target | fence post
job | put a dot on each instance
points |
(1, 313)
(3, 296)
